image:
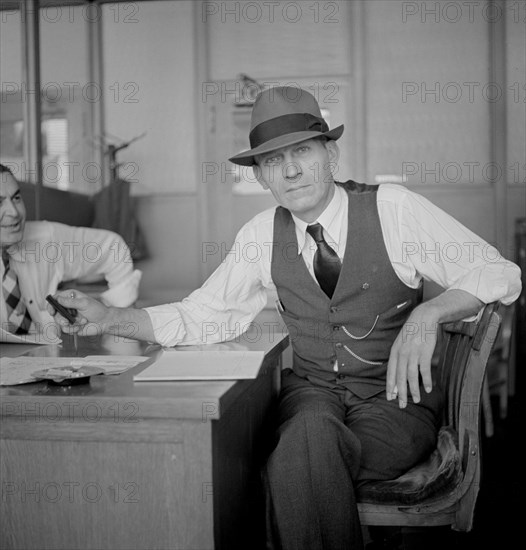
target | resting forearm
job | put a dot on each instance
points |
(451, 305)
(129, 323)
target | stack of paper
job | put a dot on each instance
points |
(19, 370)
(203, 365)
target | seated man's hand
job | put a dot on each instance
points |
(411, 356)
(91, 314)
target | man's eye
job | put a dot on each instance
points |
(272, 160)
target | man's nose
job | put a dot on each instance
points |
(291, 169)
(9, 208)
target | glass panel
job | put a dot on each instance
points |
(11, 112)
(150, 94)
(67, 100)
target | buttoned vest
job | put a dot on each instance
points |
(344, 340)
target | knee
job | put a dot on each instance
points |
(313, 440)
(313, 422)
(313, 432)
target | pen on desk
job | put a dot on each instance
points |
(75, 335)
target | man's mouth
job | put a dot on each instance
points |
(10, 225)
(296, 188)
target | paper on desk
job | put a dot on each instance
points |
(203, 365)
(112, 364)
(31, 338)
(19, 370)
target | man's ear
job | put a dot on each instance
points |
(333, 150)
(259, 176)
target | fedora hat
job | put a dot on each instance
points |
(283, 116)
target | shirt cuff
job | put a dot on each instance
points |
(167, 324)
(492, 284)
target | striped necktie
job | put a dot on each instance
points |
(327, 264)
(18, 318)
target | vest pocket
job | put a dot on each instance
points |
(397, 313)
(288, 315)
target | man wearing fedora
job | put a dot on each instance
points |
(359, 402)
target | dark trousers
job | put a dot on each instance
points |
(330, 441)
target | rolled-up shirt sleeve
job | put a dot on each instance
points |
(429, 243)
(224, 307)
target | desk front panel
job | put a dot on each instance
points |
(119, 465)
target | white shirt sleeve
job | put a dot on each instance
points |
(229, 300)
(423, 241)
(89, 252)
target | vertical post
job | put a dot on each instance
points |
(96, 76)
(497, 34)
(202, 113)
(32, 108)
(358, 72)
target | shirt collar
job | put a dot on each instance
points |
(330, 219)
(15, 251)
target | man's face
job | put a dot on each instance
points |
(12, 211)
(300, 176)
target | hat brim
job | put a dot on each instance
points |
(246, 158)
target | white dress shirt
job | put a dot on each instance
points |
(52, 253)
(422, 242)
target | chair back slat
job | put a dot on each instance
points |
(462, 367)
(452, 368)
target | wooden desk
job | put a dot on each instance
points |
(121, 465)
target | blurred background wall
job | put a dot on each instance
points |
(432, 95)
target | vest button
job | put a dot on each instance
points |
(336, 327)
(333, 309)
(338, 345)
(341, 376)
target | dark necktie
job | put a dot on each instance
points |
(327, 265)
(18, 318)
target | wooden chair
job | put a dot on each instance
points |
(500, 377)
(443, 490)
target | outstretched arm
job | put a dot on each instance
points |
(413, 348)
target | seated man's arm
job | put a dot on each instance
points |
(434, 246)
(413, 348)
(220, 310)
